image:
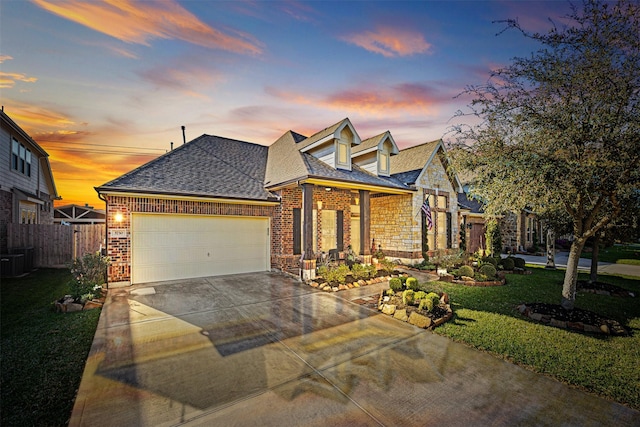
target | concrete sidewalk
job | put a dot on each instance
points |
(585, 264)
(263, 349)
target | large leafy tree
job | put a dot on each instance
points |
(561, 127)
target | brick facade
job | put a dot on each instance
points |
(119, 248)
(6, 216)
(282, 255)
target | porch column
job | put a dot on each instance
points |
(308, 267)
(365, 223)
(307, 221)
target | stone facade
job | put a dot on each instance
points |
(395, 225)
(396, 220)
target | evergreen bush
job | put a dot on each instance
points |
(395, 284)
(465, 270)
(488, 270)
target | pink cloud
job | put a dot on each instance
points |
(140, 22)
(390, 42)
(374, 99)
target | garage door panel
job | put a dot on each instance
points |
(169, 247)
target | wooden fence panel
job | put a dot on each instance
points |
(55, 245)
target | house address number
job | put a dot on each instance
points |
(117, 233)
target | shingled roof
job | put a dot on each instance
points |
(287, 164)
(208, 166)
(413, 158)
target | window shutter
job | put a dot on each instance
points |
(339, 230)
(449, 230)
(297, 231)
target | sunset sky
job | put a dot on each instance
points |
(104, 87)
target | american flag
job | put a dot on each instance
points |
(427, 213)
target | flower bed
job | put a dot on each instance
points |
(393, 305)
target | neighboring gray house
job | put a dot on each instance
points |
(27, 188)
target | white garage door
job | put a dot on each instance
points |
(169, 247)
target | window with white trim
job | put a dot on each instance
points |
(20, 158)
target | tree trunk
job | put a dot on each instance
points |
(593, 278)
(571, 275)
(551, 249)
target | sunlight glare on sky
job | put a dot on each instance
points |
(104, 86)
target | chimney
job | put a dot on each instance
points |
(184, 137)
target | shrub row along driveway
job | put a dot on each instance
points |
(263, 349)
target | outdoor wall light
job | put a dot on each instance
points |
(469, 225)
(327, 188)
(118, 217)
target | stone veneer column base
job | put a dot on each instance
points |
(308, 269)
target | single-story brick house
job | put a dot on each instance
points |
(218, 206)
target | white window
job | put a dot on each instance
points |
(343, 154)
(329, 238)
(383, 165)
(20, 158)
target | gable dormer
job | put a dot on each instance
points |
(333, 145)
(374, 154)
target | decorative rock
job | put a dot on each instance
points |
(444, 299)
(419, 320)
(71, 307)
(467, 279)
(335, 289)
(361, 282)
(314, 284)
(342, 287)
(401, 315)
(89, 305)
(388, 309)
(604, 329)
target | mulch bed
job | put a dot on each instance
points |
(576, 319)
(602, 288)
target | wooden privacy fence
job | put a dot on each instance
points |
(55, 245)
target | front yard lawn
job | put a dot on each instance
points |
(618, 254)
(43, 352)
(487, 319)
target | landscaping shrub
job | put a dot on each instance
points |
(395, 284)
(419, 296)
(490, 260)
(412, 283)
(387, 266)
(465, 270)
(373, 271)
(488, 270)
(359, 271)
(479, 277)
(426, 304)
(518, 262)
(89, 273)
(407, 297)
(430, 301)
(335, 274)
(434, 297)
(508, 263)
(403, 279)
(390, 292)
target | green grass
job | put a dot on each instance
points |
(487, 319)
(618, 254)
(43, 352)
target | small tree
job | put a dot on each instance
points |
(493, 237)
(562, 126)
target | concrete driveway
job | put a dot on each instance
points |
(263, 349)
